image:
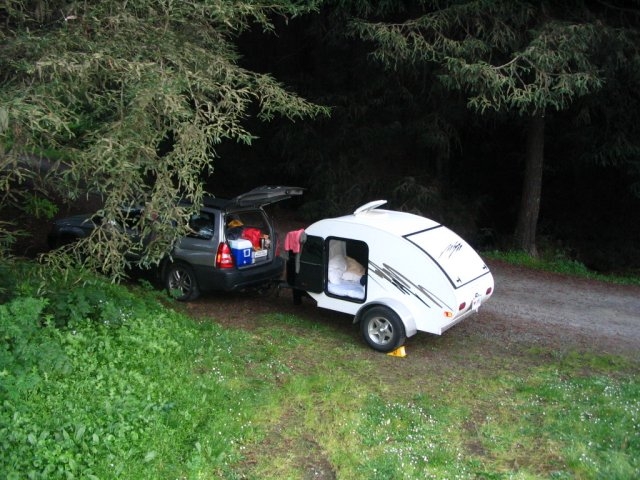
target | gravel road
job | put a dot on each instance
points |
(607, 314)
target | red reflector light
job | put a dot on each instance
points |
(489, 290)
(462, 306)
(223, 256)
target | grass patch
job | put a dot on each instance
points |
(113, 384)
(365, 415)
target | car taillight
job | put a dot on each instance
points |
(223, 256)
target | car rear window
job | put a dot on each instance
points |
(202, 225)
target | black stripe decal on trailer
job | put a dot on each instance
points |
(405, 285)
(451, 248)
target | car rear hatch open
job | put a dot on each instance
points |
(265, 195)
(457, 259)
(245, 219)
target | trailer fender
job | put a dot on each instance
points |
(403, 312)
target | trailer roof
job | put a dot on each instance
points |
(398, 223)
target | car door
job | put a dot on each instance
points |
(199, 246)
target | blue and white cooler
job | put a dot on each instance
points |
(242, 251)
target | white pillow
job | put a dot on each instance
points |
(354, 271)
(337, 266)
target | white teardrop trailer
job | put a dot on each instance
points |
(396, 272)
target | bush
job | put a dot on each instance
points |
(74, 397)
(29, 350)
(108, 388)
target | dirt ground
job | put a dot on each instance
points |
(528, 308)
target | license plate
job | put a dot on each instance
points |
(475, 304)
(260, 253)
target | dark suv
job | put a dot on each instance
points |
(233, 245)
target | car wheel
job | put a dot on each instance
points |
(382, 329)
(180, 282)
(57, 242)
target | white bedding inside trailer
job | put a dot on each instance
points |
(344, 273)
(346, 289)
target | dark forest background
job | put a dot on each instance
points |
(393, 133)
(400, 136)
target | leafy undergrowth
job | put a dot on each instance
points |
(102, 382)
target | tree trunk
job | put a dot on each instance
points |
(525, 235)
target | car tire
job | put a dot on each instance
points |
(382, 329)
(55, 242)
(180, 282)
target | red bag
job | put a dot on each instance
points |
(253, 235)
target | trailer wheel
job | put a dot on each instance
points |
(180, 281)
(382, 329)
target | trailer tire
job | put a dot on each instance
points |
(180, 282)
(382, 329)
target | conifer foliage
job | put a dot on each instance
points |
(129, 99)
(520, 58)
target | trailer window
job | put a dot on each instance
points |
(347, 268)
